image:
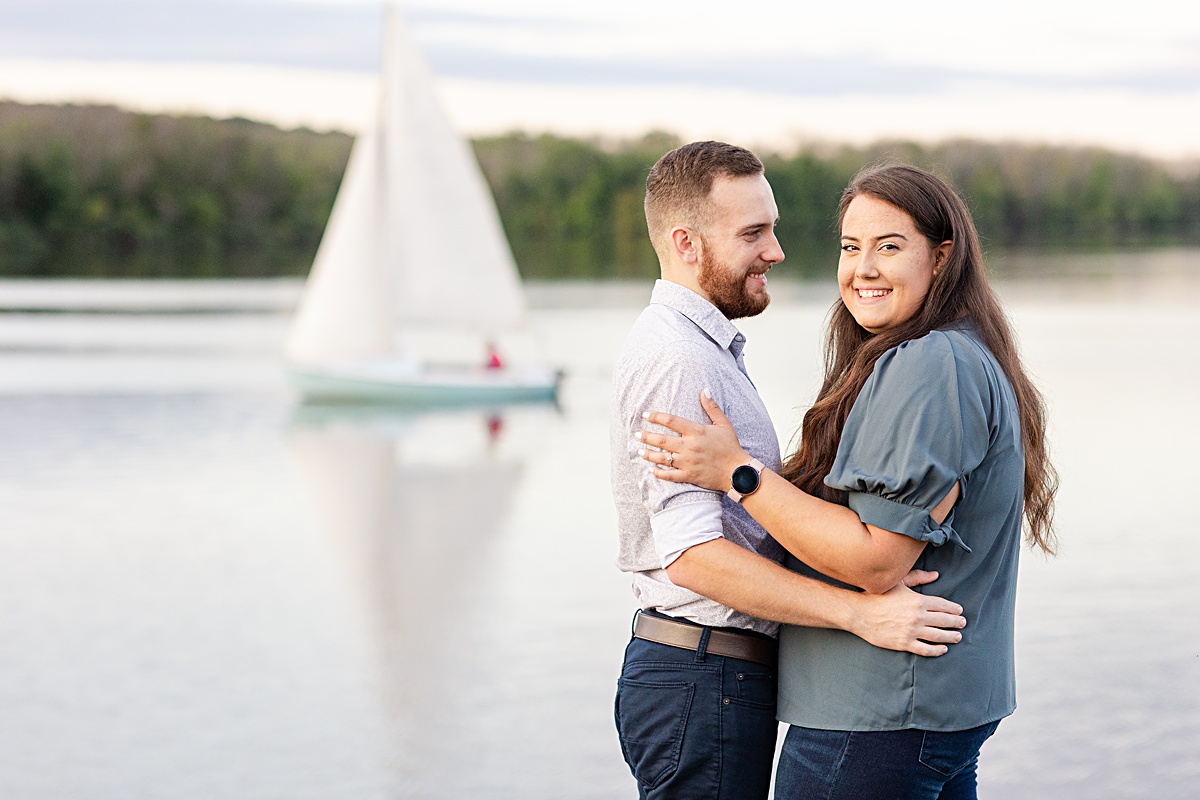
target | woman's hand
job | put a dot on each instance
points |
(703, 455)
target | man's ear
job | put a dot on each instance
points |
(686, 245)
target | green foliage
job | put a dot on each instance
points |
(573, 208)
(807, 189)
(99, 192)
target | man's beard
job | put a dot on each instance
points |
(726, 289)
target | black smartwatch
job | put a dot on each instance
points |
(745, 480)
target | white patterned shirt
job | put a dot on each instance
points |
(680, 345)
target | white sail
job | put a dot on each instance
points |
(344, 313)
(414, 239)
(450, 249)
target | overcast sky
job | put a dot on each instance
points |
(1124, 74)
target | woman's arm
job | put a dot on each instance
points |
(900, 619)
(826, 536)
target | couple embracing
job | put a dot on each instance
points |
(886, 545)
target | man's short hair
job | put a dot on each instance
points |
(678, 186)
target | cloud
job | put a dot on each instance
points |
(783, 74)
(329, 36)
(520, 46)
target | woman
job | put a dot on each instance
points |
(925, 448)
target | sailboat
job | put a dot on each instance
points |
(413, 243)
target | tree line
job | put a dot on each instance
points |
(101, 192)
(89, 191)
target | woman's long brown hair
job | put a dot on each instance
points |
(959, 290)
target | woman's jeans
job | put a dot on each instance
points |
(879, 765)
(696, 726)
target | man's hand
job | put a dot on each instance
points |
(904, 620)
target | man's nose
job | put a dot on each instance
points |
(774, 252)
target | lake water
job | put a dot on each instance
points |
(207, 590)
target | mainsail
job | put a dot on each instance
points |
(414, 239)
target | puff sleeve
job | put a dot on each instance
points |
(919, 425)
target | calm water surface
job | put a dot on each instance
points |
(209, 591)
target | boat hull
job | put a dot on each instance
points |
(425, 385)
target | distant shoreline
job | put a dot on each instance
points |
(97, 192)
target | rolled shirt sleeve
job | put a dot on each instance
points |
(918, 427)
(687, 522)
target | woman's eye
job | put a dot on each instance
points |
(888, 247)
(848, 248)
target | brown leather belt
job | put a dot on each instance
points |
(720, 642)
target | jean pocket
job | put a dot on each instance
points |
(756, 689)
(651, 718)
(948, 753)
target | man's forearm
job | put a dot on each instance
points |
(901, 619)
(736, 577)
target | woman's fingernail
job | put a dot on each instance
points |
(638, 436)
(645, 415)
(642, 453)
(708, 393)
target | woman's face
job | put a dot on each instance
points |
(886, 266)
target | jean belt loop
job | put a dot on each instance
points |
(702, 648)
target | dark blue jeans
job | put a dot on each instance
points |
(696, 726)
(879, 765)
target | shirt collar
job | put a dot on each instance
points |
(698, 310)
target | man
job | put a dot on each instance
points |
(696, 698)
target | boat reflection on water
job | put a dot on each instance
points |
(416, 503)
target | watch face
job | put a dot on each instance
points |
(744, 479)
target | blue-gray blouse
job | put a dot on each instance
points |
(935, 411)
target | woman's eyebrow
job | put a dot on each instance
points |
(878, 238)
